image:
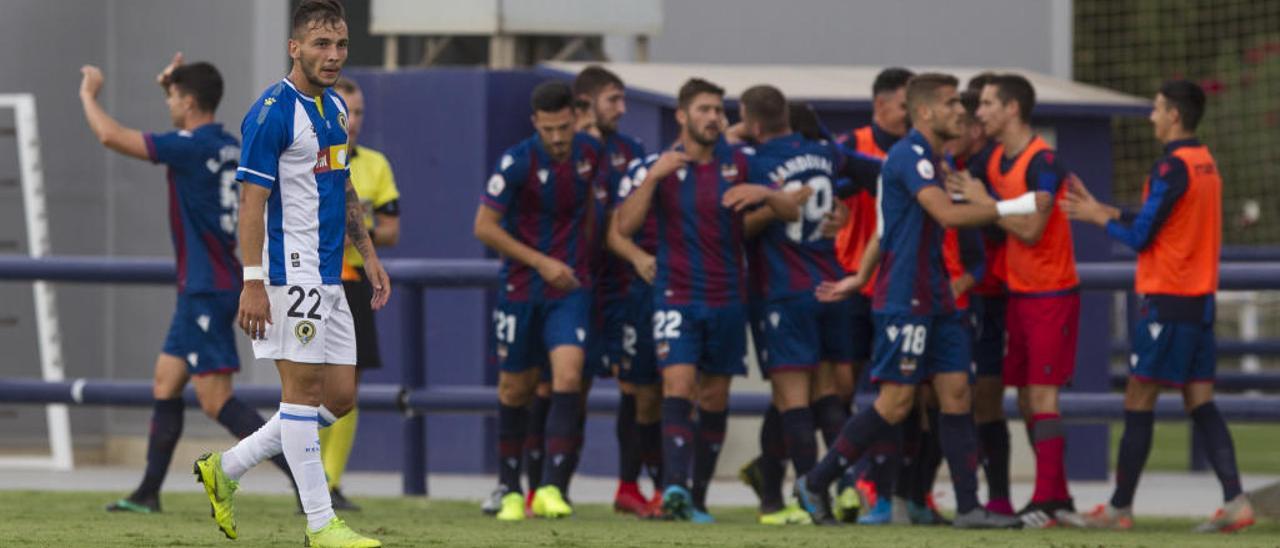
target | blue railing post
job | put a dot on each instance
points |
(413, 377)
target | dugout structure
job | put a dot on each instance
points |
(444, 129)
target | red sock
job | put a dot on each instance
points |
(1050, 446)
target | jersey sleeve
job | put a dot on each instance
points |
(919, 175)
(1046, 173)
(972, 255)
(266, 136)
(500, 190)
(855, 172)
(637, 170)
(1168, 184)
(171, 148)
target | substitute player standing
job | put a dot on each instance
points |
(918, 334)
(538, 212)
(1178, 236)
(297, 207)
(371, 175)
(698, 190)
(201, 345)
(1044, 299)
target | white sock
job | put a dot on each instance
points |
(300, 438)
(253, 449)
(326, 417)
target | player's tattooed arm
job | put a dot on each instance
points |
(359, 238)
(355, 223)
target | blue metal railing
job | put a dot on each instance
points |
(412, 397)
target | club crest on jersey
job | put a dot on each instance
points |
(908, 365)
(584, 168)
(342, 121)
(662, 350)
(304, 331)
(618, 159)
(729, 171)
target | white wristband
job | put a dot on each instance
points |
(1022, 205)
(254, 273)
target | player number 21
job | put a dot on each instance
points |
(815, 208)
(505, 327)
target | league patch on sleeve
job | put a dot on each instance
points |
(925, 168)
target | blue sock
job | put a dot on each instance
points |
(166, 428)
(994, 439)
(677, 441)
(628, 450)
(1219, 448)
(855, 437)
(1135, 446)
(802, 448)
(535, 442)
(706, 451)
(960, 447)
(562, 429)
(512, 422)
(773, 451)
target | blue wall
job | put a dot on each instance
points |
(443, 130)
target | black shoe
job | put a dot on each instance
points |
(816, 503)
(1043, 515)
(136, 504)
(341, 502)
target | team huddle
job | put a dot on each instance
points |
(929, 252)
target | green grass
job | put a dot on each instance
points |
(1170, 448)
(77, 519)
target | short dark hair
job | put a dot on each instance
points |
(551, 96)
(767, 105)
(200, 80)
(695, 87)
(890, 80)
(1187, 98)
(1015, 87)
(924, 87)
(309, 12)
(979, 80)
(969, 100)
(594, 79)
(346, 85)
(804, 120)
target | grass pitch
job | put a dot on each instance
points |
(78, 519)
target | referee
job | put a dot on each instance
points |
(371, 175)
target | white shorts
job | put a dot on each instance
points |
(309, 324)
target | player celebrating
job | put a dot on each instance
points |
(537, 207)
(698, 191)
(298, 206)
(889, 122)
(624, 300)
(201, 344)
(918, 335)
(1044, 299)
(371, 175)
(1178, 236)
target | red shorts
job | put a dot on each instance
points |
(1041, 347)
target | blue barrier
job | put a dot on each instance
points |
(413, 397)
(1076, 407)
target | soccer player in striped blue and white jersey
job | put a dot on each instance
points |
(298, 206)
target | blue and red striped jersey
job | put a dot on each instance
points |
(549, 206)
(700, 255)
(912, 278)
(204, 201)
(793, 258)
(614, 275)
